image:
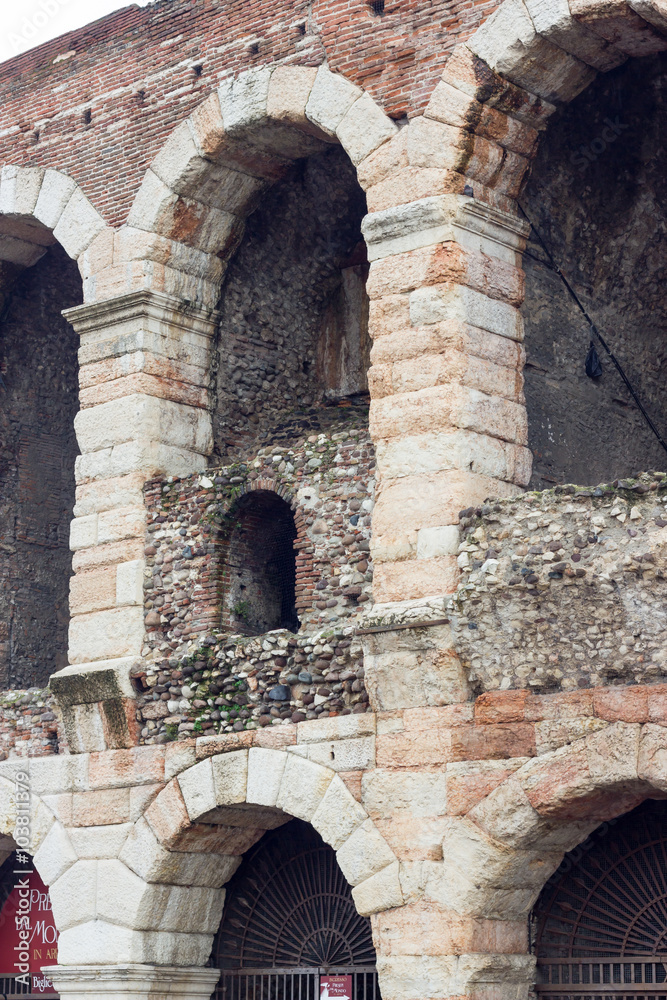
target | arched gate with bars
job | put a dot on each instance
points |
(600, 924)
(290, 930)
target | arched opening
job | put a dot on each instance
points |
(294, 347)
(598, 197)
(259, 591)
(600, 923)
(38, 448)
(289, 928)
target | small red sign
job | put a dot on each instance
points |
(336, 986)
(28, 935)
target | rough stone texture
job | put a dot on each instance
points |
(293, 325)
(565, 589)
(597, 195)
(38, 402)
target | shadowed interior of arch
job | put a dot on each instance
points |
(260, 571)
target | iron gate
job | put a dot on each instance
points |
(289, 918)
(601, 921)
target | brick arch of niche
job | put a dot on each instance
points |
(305, 571)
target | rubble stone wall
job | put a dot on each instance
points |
(38, 403)
(294, 314)
(596, 193)
(197, 676)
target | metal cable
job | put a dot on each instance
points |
(593, 328)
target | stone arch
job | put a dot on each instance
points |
(171, 865)
(40, 207)
(208, 176)
(305, 582)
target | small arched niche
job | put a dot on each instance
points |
(290, 928)
(259, 592)
(600, 924)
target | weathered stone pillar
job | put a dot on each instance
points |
(148, 982)
(144, 375)
(447, 413)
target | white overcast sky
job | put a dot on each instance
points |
(27, 23)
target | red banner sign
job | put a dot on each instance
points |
(28, 935)
(339, 987)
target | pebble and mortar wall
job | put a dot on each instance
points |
(199, 678)
(283, 298)
(598, 196)
(38, 403)
(565, 590)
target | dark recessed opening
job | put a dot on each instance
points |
(261, 566)
(87, 116)
(253, 49)
(198, 69)
(377, 7)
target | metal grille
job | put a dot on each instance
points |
(601, 921)
(289, 918)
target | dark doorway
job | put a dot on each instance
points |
(260, 591)
(600, 923)
(289, 920)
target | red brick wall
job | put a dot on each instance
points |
(132, 74)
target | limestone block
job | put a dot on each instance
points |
(384, 792)
(381, 891)
(78, 224)
(288, 93)
(339, 728)
(619, 24)
(120, 523)
(550, 735)
(438, 303)
(612, 754)
(652, 764)
(95, 842)
(145, 855)
(19, 190)
(183, 901)
(54, 194)
(485, 878)
(243, 100)
(364, 853)
(408, 977)
(83, 532)
(179, 163)
(84, 729)
(101, 635)
(230, 776)
(338, 814)
(344, 755)
(41, 821)
(302, 787)
(143, 903)
(330, 99)
(508, 42)
(408, 668)
(198, 790)
(388, 158)
(153, 204)
(363, 128)
(149, 457)
(265, 773)
(62, 773)
(93, 682)
(483, 455)
(552, 20)
(73, 895)
(123, 491)
(87, 943)
(437, 541)
(178, 756)
(55, 855)
(94, 590)
(143, 418)
(652, 11)
(129, 582)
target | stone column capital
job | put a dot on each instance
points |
(148, 982)
(152, 310)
